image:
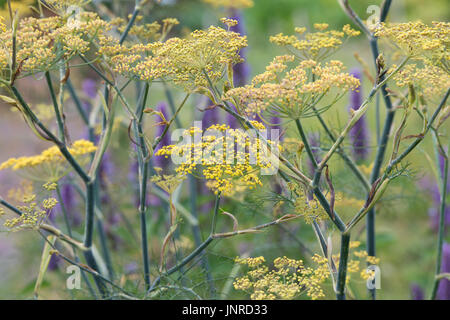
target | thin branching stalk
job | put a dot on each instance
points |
(305, 142)
(382, 140)
(384, 180)
(358, 114)
(319, 195)
(382, 187)
(348, 160)
(166, 128)
(69, 232)
(87, 269)
(194, 253)
(50, 136)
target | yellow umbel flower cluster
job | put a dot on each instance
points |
(184, 61)
(43, 42)
(228, 158)
(315, 45)
(233, 4)
(33, 214)
(308, 207)
(25, 190)
(293, 146)
(50, 165)
(344, 201)
(429, 80)
(169, 183)
(80, 147)
(419, 40)
(366, 169)
(286, 281)
(2, 24)
(147, 32)
(292, 93)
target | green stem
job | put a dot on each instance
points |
(89, 223)
(78, 104)
(143, 178)
(382, 141)
(381, 150)
(88, 236)
(342, 272)
(137, 9)
(324, 202)
(69, 232)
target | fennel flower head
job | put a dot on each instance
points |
(50, 165)
(229, 159)
(359, 133)
(231, 4)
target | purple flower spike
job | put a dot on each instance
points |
(90, 88)
(133, 175)
(431, 187)
(106, 169)
(131, 268)
(210, 115)
(443, 292)
(54, 262)
(434, 216)
(232, 121)
(241, 71)
(68, 198)
(359, 134)
(417, 292)
(276, 121)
